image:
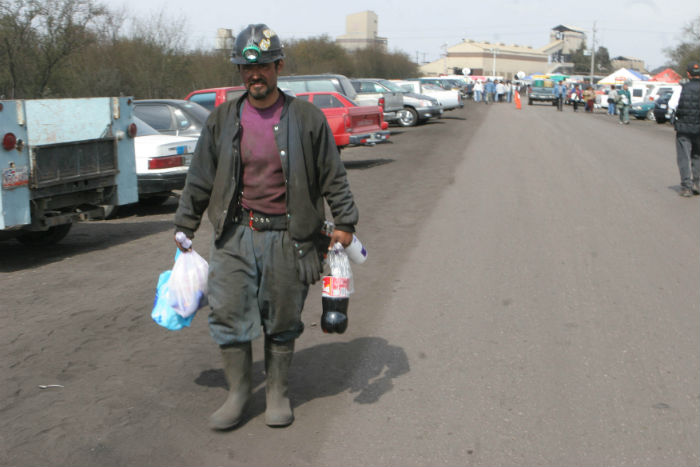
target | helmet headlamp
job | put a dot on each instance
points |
(251, 53)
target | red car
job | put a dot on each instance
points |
(351, 124)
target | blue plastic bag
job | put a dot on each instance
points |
(163, 314)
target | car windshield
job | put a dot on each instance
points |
(393, 87)
(143, 128)
(432, 87)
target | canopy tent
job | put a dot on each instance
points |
(667, 76)
(622, 75)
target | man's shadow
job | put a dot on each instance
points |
(366, 366)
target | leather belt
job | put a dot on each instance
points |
(260, 221)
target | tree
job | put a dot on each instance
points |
(38, 37)
(688, 50)
(602, 60)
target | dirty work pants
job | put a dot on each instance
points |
(624, 113)
(688, 158)
(253, 282)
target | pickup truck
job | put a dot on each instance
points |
(377, 92)
(63, 160)
(351, 124)
(541, 90)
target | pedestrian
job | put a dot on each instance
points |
(589, 98)
(263, 165)
(575, 97)
(624, 100)
(489, 91)
(612, 97)
(687, 126)
(500, 91)
(560, 95)
(478, 89)
(509, 92)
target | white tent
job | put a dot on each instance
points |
(622, 75)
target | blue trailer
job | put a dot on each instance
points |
(61, 161)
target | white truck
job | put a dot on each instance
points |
(63, 160)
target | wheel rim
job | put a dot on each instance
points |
(407, 118)
(650, 115)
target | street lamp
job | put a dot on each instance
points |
(494, 51)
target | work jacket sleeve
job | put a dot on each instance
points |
(333, 181)
(198, 185)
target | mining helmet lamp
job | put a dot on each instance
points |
(251, 53)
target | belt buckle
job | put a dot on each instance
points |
(250, 221)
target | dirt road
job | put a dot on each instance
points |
(531, 298)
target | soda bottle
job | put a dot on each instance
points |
(336, 292)
(335, 314)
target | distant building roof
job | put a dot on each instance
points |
(563, 27)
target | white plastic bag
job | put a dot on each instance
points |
(187, 286)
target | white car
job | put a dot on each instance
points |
(448, 99)
(162, 162)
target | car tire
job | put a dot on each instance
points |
(529, 102)
(408, 117)
(650, 115)
(661, 120)
(45, 237)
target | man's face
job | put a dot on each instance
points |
(260, 79)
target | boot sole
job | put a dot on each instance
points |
(279, 423)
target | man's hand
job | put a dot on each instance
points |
(183, 243)
(344, 238)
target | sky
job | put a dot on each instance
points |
(421, 29)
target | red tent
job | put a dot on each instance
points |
(667, 76)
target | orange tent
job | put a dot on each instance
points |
(667, 76)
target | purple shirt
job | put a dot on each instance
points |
(264, 189)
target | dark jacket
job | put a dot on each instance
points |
(310, 161)
(688, 109)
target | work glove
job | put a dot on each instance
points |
(309, 264)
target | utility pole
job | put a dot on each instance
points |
(593, 54)
(494, 52)
(444, 46)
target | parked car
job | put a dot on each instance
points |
(371, 91)
(417, 108)
(351, 124)
(162, 162)
(213, 97)
(448, 99)
(643, 110)
(665, 106)
(176, 117)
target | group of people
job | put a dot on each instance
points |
(618, 100)
(493, 91)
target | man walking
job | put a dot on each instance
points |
(612, 98)
(262, 167)
(624, 100)
(687, 127)
(560, 94)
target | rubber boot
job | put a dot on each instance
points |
(278, 357)
(238, 360)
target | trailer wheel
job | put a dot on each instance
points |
(45, 237)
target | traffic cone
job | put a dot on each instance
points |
(517, 100)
